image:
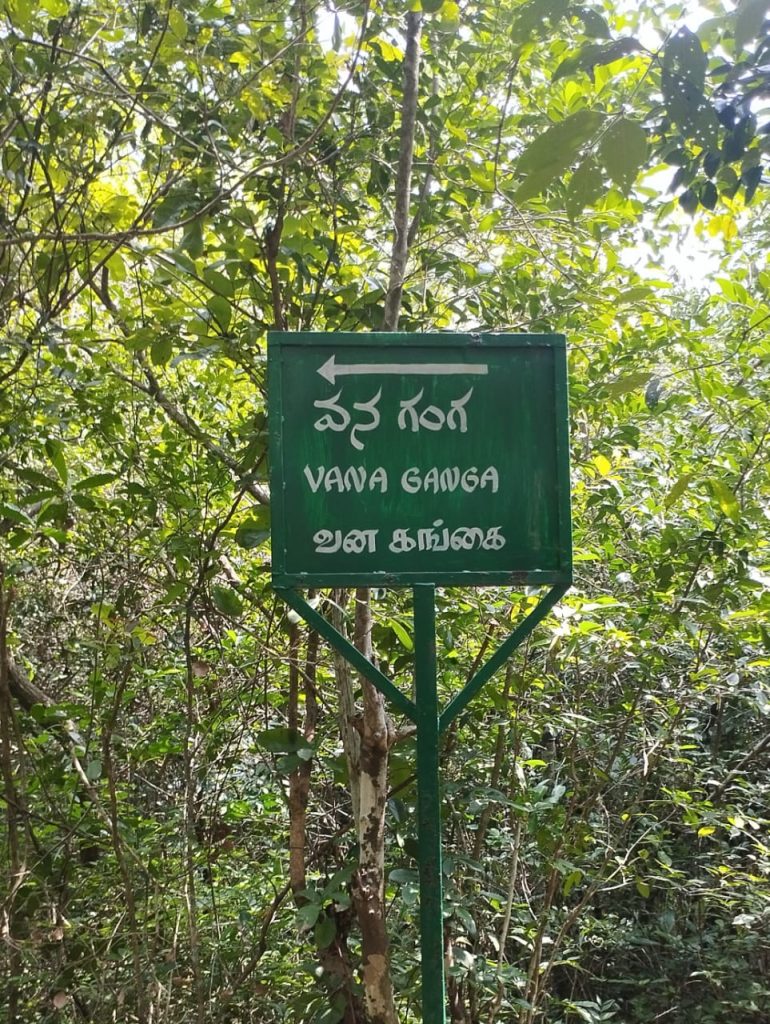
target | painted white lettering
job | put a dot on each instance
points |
(457, 419)
(334, 480)
(328, 422)
(432, 418)
(466, 538)
(439, 538)
(326, 542)
(410, 480)
(355, 478)
(470, 480)
(351, 478)
(371, 408)
(494, 540)
(354, 542)
(425, 540)
(449, 479)
(442, 543)
(408, 409)
(490, 477)
(401, 541)
(379, 478)
(314, 483)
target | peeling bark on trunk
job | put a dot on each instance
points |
(15, 872)
(377, 734)
(367, 737)
(334, 959)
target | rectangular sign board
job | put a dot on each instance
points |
(405, 458)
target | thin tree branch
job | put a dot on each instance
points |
(404, 172)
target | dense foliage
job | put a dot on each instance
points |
(176, 179)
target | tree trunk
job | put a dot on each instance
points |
(377, 735)
(367, 745)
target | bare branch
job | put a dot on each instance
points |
(404, 172)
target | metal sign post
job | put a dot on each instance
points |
(420, 460)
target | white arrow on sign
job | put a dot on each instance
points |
(330, 370)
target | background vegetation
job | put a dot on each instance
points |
(180, 757)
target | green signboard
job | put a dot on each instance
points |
(411, 458)
(420, 459)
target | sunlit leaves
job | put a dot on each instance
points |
(623, 151)
(55, 451)
(728, 502)
(594, 55)
(749, 18)
(121, 520)
(553, 152)
(684, 74)
(585, 187)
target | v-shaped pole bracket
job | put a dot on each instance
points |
(403, 703)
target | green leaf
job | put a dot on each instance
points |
(595, 55)
(683, 78)
(470, 925)
(161, 350)
(308, 914)
(631, 382)
(177, 24)
(643, 888)
(140, 339)
(226, 600)
(53, 512)
(192, 240)
(571, 881)
(93, 770)
(221, 310)
(749, 19)
(593, 23)
(750, 179)
(709, 196)
(14, 514)
(403, 876)
(585, 187)
(251, 535)
(149, 16)
(553, 152)
(95, 480)
(55, 451)
(535, 16)
(325, 931)
(728, 502)
(218, 282)
(282, 740)
(677, 490)
(402, 634)
(39, 479)
(56, 8)
(623, 150)
(256, 529)
(689, 201)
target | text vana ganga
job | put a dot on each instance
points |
(411, 417)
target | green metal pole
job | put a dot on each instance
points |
(429, 807)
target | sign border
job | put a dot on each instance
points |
(277, 341)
